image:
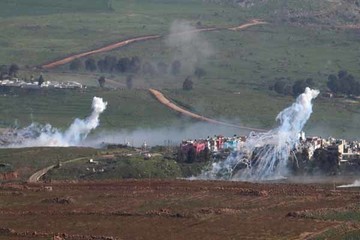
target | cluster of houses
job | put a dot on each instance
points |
(214, 144)
(17, 83)
(346, 150)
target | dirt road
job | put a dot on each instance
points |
(249, 24)
(99, 50)
(162, 99)
(140, 39)
(37, 175)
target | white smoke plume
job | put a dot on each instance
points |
(172, 135)
(354, 184)
(265, 155)
(190, 46)
(36, 135)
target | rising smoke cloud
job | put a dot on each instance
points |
(265, 155)
(36, 135)
(191, 48)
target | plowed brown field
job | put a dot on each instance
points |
(166, 209)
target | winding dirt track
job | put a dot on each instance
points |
(37, 175)
(110, 47)
(99, 50)
(156, 93)
(162, 99)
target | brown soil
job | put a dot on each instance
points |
(59, 200)
(9, 176)
(168, 209)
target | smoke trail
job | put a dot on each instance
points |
(355, 184)
(265, 155)
(171, 135)
(191, 47)
(36, 135)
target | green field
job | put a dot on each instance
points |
(29, 160)
(303, 39)
(60, 108)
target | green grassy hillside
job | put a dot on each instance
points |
(126, 109)
(303, 39)
(27, 161)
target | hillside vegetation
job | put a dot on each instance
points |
(303, 39)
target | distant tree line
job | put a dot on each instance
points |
(134, 65)
(340, 83)
(282, 86)
(8, 71)
(343, 83)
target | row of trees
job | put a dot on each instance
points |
(340, 83)
(129, 81)
(134, 65)
(282, 86)
(9, 71)
(343, 83)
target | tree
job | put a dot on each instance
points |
(162, 68)
(279, 87)
(199, 72)
(123, 65)
(135, 64)
(342, 74)
(4, 71)
(90, 64)
(75, 65)
(327, 161)
(41, 80)
(109, 5)
(333, 83)
(191, 155)
(300, 85)
(175, 67)
(13, 70)
(356, 89)
(299, 162)
(110, 63)
(101, 65)
(310, 82)
(102, 81)
(345, 83)
(148, 68)
(188, 84)
(129, 82)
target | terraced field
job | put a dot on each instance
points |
(176, 209)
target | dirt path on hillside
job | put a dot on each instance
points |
(113, 46)
(38, 174)
(162, 99)
(253, 22)
(99, 50)
(156, 93)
